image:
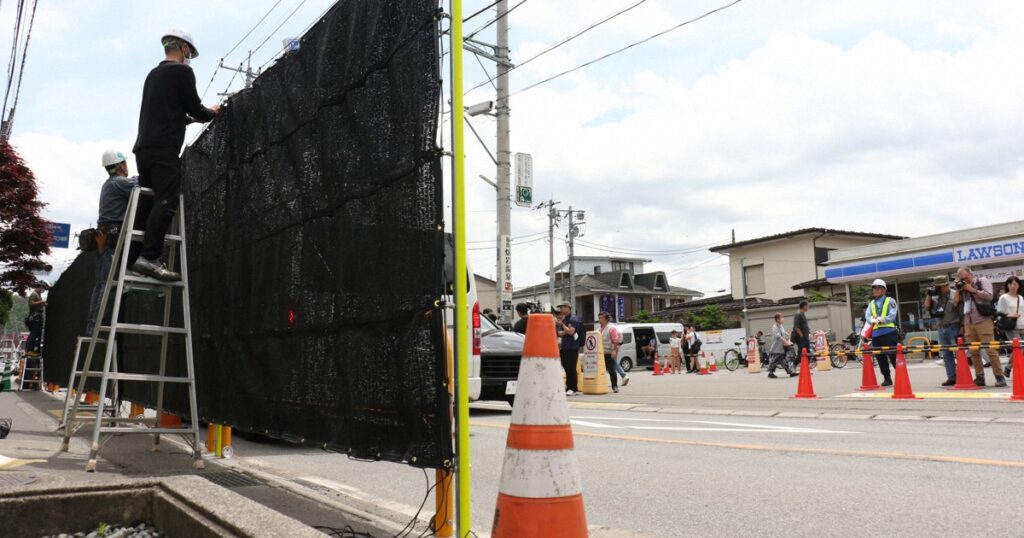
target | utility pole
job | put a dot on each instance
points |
(250, 76)
(743, 283)
(553, 218)
(504, 154)
(572, 262)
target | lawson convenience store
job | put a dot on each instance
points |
(908, 265)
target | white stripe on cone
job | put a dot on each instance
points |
(540, 474)
(540, 394)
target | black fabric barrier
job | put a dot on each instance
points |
(67, 310)
(313, 221)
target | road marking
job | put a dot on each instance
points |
(801, 450)
(602, 405)
(719, 426)
(935, 395)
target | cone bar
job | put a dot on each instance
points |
(964, 380)
(1018, 372)
(540, 493)
(902, 389)
(805, 388)
(868, 380)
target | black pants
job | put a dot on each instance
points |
(34, 322)
(889, 357)
(160, 170)
(569, 359)
(609, 364)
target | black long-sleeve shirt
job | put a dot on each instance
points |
(167, 97)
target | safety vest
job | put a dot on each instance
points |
(885, 312)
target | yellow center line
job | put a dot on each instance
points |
(802, 450)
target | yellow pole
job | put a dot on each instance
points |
(461, 311)
(220, 441)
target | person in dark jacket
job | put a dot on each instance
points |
(572, 334)
(801, 331)
(169, 103)
(524, 316)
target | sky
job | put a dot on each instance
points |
(888, 117)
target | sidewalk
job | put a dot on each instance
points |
(33, 436)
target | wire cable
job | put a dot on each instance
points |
(688, 250)
(494, 20)
(624, 49)
(240, 41)
(14, 53)
(492, 4)
(563, 41)
(21, 71)
(286, 19)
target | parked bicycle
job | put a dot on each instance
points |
(737, 357)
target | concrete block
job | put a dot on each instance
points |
(714, 411)
(841, 416)
(678, 411)
(961, 419)
(753, 413)
(1010, 420)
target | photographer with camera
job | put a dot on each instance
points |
(941, 304)
(978, 311)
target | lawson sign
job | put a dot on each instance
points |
(933, 260)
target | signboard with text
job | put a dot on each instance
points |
(505, 276)
(61, 233)
(524, 179)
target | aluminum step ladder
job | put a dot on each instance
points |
(115, 399)
(119, 281)
(28, 367)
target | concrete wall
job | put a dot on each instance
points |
(821, 317)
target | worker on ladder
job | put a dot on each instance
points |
(113, 203)
(169, 103)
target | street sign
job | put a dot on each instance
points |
(590, 354)
(524, 196)
(61, 234)
(291, 44)
(505, 273)
(524, 179)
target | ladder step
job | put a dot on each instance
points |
(137, 235)
(128, 429)
(146, 281)
(137, 328)
(141, 377)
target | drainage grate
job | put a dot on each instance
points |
(229, 479)
(16, 478)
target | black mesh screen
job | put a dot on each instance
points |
(313, 215)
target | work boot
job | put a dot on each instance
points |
(155, 269)
(979, 381)
(771, 375)
(886, 381)
(1000, 381)
(949, 383)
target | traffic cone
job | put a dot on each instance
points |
(868, 381)
(168, 420)
(714, 363)
(1018, 372)
(657, 366)
(902, 389)
(540, 493)
(964, 379)
(703, 365)
(805, 389)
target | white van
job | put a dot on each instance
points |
(473, 315)
(636, 335)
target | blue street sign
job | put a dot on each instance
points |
(61, 234)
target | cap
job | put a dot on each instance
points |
(941, 280)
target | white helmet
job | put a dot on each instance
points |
(112, 157)
(878, 283)
(184, 35)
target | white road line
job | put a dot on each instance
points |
(592, 424)
(721, 426)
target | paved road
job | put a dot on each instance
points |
(663, 474)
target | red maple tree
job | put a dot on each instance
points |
(24, 235)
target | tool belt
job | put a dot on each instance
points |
(104, 232)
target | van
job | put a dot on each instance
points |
(635, 336)
(472, 311)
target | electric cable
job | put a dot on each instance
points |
(14, 53)
(563, 41)
(240, 41)
(688, 250)
(21, 71)
(624, 49)
(286, 19)
(494, 20)
(492, 4)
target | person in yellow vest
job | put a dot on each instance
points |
(881, 313)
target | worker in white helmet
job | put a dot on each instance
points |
(882, 313)
(169, 103)
(113, 203)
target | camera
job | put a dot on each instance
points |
(958, 284)
(931, 291)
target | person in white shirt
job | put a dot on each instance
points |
(673, 346)
(1011, 305)
(693, 349)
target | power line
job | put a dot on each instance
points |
(24, 54)
(317, 19)
(481, 11)
(627, 47)
(514, 238)
(688, 250)
(286, 19)
(494, 20)
(563, 41)
(247, 34)
(513, 244)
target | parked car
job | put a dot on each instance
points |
(500, 353)
(636, 335)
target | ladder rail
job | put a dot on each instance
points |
(187, 323)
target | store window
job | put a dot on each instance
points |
(659, 304)
(638, 305)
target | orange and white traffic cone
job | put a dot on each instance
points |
(805, 388)
(703, 365)
(1018, 372)
(964, 379)
(540, 493)
(902, 389)
(868, 380)
(657, 366)
(714, 363)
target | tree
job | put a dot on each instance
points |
(644, 316)
(24, 235)
(711, 318)
(6, 304)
